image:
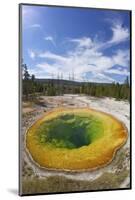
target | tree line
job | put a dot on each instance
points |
(32, 88)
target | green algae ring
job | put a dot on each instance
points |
(75, 139)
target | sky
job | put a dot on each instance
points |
(85, 44)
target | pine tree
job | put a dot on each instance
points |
(26, 75)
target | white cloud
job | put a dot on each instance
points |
(49, 38)
(86, 59)
(48, 70)
(35, 26)
(39, 73)
(120, 34)
(121, 58)
(83, 62)
(32, 54)
(83, 42)
(30, 15)
(101, 78)
(52, 56)
(26, 10)
(119, 72)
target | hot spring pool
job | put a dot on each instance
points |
(75, 139)
(70, 131)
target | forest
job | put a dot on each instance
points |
(33, 87)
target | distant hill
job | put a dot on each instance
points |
(62, 82)
(66, 82)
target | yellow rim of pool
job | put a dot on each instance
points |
(75, 139)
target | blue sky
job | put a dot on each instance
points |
(92, 44)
